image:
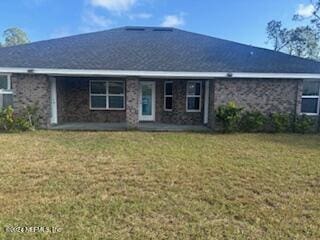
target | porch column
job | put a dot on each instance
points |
(132, 102)
(211, 113)
(53, 101)
(299, 96)
(206, 103)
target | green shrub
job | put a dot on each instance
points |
(303, 124)
(22, 124)
(31, 116)
(229, 115)
(6, 119)
(28, 120)
(252, 122)
(233, 119)
(281, 122)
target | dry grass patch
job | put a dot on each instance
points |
(120, 185)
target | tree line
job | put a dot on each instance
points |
(302, 41)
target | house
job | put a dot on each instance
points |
(133, 75)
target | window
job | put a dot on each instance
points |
(107, 95)
(168, 95)
(4, 82)
(5, 91)
(194, 96)
(310, 97)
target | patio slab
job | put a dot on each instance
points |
(153, 127)
(90, 126)
(162, 127)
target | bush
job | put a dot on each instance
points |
(233, 119)
(6, 119)
(22, 124)
(229, 115)
(252, 122)
(303, 124)
(281, 122)
(28, 120)
(31, 116)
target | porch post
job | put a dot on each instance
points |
(53, 101)
(206, 103)
(299, 96)
(132, 103)
(211, 105)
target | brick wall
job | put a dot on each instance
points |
(179, 114)
(132, 102)
(29, 89)
(73, 103)
(264, 95)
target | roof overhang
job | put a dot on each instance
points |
(157, 74)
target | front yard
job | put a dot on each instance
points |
(121, 185)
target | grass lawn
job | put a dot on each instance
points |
(135, 185)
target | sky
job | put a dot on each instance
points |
(237, 20)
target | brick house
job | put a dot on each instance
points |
(143, 74)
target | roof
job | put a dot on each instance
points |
(151, 49)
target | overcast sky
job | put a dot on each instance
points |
(238, 20)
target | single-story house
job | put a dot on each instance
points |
(151, 74)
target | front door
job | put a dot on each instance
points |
(147, 101)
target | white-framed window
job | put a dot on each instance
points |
(107, 95)
(194, 91)
(6, 98)
(310, 103)
(168, 95)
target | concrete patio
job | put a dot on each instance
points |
(153, 127)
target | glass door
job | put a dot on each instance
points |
(147, 101)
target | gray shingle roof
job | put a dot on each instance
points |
(152, 49)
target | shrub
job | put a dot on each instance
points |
(229, 115)
(31, 116)
(252, 122)
(6, 119)
(233, 119)
(303, 124)
(22, 124)
(10, 122)
(281, 122)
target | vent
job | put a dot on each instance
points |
(163, 29)
(135, 29)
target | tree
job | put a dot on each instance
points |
(277, 35)
(14, 36)
(316, 16)
(301, 41)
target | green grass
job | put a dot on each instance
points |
(135, 185)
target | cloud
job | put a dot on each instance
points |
(93, 22)
(173, 21)
(114, 5)
(93, 19)
(140, 16)
(305, 10)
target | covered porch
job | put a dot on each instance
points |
(105, 103)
